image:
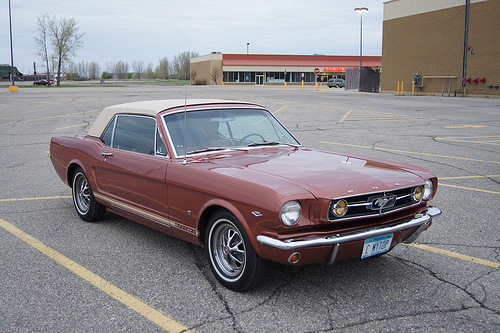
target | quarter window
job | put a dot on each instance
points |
(107, 137)
(161, 149)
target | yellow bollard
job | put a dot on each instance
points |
(316, 86)
(402, 85)
(302, 84)
(398, 88)
(285, 85)
(412, 88)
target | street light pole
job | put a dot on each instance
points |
(11, 48)
(360, 10)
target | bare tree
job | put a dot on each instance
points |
(65, 39)
(181, 65)
(41, 41)
(162, 69)
(77, 71)
(138, 68)
(215, 74)
(94, 70)
(150, 74)
(110, 67)
(121, 69)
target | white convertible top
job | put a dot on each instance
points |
(149, 108)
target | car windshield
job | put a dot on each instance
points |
(211, 130)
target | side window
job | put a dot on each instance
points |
(161, 149)
(135, 133)
(108, 133)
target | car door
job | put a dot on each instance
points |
(131, 174)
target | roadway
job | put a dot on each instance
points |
(58, 273)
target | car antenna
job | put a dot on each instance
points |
(185, 127)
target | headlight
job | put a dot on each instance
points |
(417, 193)
(339, 209)
(428, 189)
(290, 213)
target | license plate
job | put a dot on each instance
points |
(376, 245)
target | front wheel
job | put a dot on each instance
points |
(85, 203)
(232, 257)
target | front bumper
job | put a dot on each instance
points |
(420, 221)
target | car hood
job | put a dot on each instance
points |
(321, 173)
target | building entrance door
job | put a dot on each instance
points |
(259, 80)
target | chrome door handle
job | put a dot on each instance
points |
(106, 154)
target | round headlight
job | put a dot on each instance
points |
(339, 209)
(417, 193)
(428, 189)
(290, 213)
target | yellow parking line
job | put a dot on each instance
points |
(39, 198)
(279, 109)
(490, 140)
(28, 100)
(44, 118)
(273, 113)
(387, 116)
(468, 177)
(18, 113)
(469, 188)
(132, 302)
(51, 117)
(79, 125)
(409, 152)
(345, 116)
(456, 255)
(376, 119)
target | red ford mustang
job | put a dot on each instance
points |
(229, 176)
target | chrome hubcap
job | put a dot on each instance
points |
(82, 194)
(229, 250)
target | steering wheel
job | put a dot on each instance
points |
(249, 135)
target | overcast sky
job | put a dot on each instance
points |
(152, 29)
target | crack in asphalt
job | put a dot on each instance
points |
(463, 289)
(436, 309)
(388, 318)
(478, 300)
(205, 270)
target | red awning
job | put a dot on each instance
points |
(263, 60)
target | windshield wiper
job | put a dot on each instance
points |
(271, 143)
(263, 143)
(203, 150)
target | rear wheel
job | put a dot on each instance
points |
(232, 257)
(86, 206)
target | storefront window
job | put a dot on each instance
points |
(274, 77)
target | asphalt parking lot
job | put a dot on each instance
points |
(60, 274)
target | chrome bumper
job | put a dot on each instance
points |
(420, 220)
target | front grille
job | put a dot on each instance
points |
(374, 204)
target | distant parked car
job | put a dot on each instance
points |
(337, 83)
(42, 82)
(228, 176)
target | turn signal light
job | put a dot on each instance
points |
(294, 258)
(418, 192)
(339, 209)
